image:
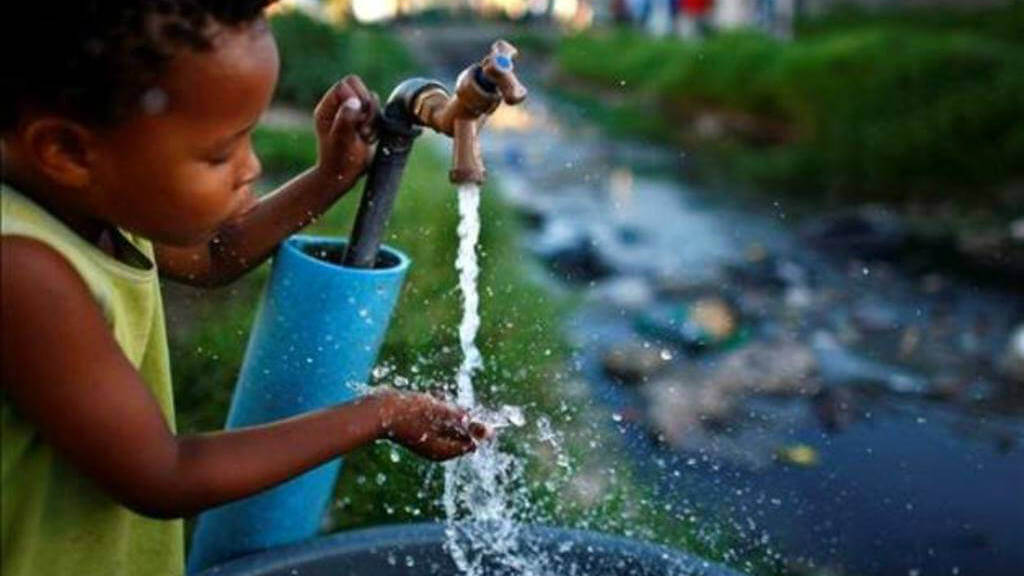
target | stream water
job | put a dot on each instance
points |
(901, 453)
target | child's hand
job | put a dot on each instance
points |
(429, 427)
(344, 121)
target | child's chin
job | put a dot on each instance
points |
(185, 239)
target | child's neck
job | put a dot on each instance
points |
(90, 229)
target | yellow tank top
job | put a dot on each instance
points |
(55, 521)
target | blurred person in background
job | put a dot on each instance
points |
(694, 20)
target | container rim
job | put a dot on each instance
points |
(295, 245)
(381, 538)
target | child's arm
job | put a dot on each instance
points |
(65, 373)
(343, 153)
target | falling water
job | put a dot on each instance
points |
(466, 264)
(482, 491)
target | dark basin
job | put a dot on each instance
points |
(418, 549)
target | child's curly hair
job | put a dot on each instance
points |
(93, 60)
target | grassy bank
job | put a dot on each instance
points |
(892, 109)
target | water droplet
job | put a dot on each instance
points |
(513, 415)
(381, 478)
(666, 354)
(617, 417)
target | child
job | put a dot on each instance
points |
(126, 150)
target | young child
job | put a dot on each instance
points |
(126, 151)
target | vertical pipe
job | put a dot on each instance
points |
(385, 174)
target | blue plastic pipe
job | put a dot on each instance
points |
(315, 339)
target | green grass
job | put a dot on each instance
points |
(1003, 22)
(869, 108)
(315, 55)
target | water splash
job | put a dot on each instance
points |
(483, 491)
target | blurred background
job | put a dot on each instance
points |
(752, 268)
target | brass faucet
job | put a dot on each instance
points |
(417, 102)
(479, 90)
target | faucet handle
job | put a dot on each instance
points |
(498, 68)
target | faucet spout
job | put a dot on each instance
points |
(479, 90)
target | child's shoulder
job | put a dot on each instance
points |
(56, 282)
(40, 257)
(24, 217)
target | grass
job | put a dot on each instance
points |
(1003, 22)
(885, 109)
(314, 55)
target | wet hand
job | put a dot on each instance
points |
(429, 427)
(345, 128)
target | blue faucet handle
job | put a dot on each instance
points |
(497, 67)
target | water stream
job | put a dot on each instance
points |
(912, 442)
(466, 264)
(481, 497)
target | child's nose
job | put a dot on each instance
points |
(252, 169)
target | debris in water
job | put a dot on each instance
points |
(800, 455)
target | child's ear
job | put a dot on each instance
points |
(61, 149)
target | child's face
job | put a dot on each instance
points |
(180, 170)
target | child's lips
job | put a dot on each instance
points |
(246, 202)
